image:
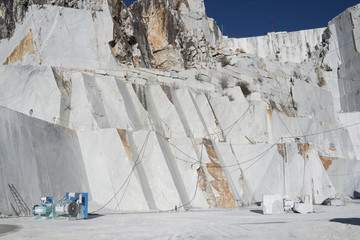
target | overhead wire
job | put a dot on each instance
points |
(284, 124)
(250, 159)
(231, 126)
(236, 122)
(197, 184)
(136, 163)
(222, 166)
(260, 157)
(167, 140)
(327, 131)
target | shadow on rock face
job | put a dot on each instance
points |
(352, 221)
(5, 229)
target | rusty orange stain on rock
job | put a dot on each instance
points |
(205, 187)
(269, 112)
(157, 29)
(321, 123)
(124, 139)
(327, 161)
(26, 45)
(220, 184)
(166, 55)
(114, 49)
(304, 149)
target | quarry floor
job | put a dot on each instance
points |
(243, 223)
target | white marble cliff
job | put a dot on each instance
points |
(149, 107)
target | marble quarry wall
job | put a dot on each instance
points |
(283, 46)
(38, 158)
(83, 109)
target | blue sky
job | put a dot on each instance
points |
(245, 18)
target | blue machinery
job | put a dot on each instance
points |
(73, 206)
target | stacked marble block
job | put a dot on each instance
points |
(277, 204)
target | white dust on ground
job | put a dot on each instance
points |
(243, 223)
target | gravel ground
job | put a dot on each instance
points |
(242, 223)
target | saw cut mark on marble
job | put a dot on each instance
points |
(25, 46)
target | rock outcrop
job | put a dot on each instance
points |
(154, 108)
(163, 34)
